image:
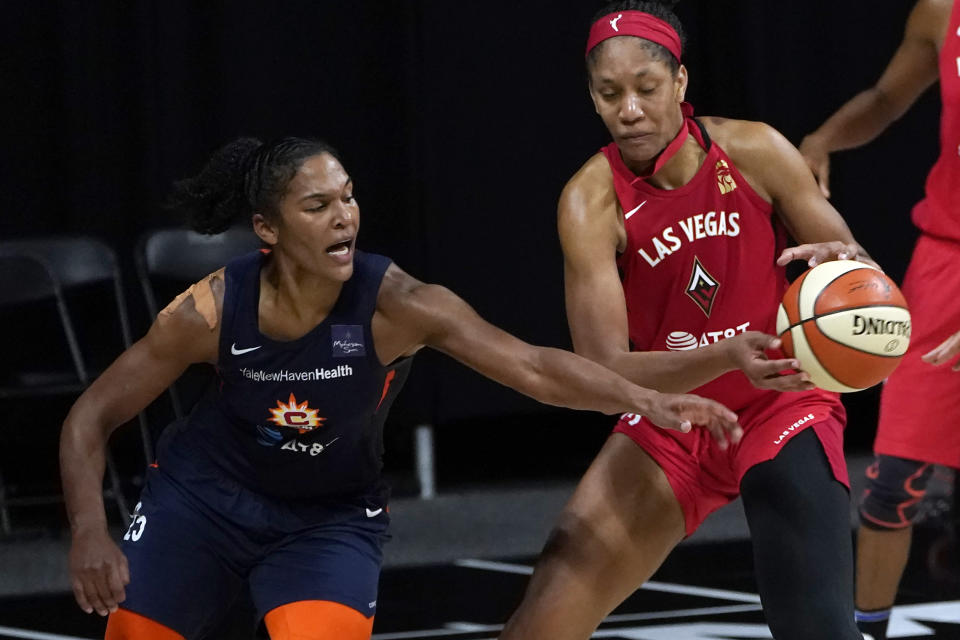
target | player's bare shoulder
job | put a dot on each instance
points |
(203, 300)
(404, 313)
(756, 149)
(403, 299)
(742, 139)
(191, 322)
(590, 192)
(395, 290)
(589, 202)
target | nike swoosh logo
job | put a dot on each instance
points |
(627, 215)
(238, 352)
(375, 513)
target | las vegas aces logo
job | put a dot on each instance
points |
(702, 288)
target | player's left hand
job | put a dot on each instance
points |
(820, 252)
(944, 351)
(680, 411)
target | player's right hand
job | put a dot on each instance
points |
(98, 571)
(681, 411)
(818, 159)
(748, 353)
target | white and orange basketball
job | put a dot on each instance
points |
(846, 322)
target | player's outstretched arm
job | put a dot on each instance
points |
(944, 352)
(909, 73)
(179, 337)
(597, 311)
(434, 316)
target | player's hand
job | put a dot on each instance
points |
(748, 353)
(681, 411)
(820, 252)
(818, 159)
(944, 351)
(98, 571)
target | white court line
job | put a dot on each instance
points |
(683, 613)
(630, 617)
(503, 567)
(667, 587)
(720, 594)
(35, 635)
(430, 633)
(455, 628)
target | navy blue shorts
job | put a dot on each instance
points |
(196, 540)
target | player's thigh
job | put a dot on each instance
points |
(619, 525)
(184, 569)
(334, 563)
(317, 620)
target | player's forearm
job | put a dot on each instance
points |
(672, 371)
(858, 121)
(82, 463)
(561, 378)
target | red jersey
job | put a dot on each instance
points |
(939, 212)
(700, 263)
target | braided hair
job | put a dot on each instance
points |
(241, 178)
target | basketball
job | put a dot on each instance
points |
(846, 322)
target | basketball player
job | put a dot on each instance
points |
(919, 404)
(673, 239)
(274, 478)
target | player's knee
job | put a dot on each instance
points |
(574, 540)
(127, 625)
(317, 620)
(895, 490)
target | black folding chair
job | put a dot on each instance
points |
(44, 269)
(169, 260)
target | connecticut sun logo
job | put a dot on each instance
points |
(298, 416)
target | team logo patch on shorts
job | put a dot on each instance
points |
(347, 340)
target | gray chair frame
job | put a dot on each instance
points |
(40, 268)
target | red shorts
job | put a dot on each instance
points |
(920, 403)
(704, 477)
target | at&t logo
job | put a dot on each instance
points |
(684, 341)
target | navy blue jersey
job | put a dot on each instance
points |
(300, 419)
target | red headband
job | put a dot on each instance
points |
(635, 23)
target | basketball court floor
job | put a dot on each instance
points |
(458, 564)
(703, 592)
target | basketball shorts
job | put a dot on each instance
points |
(920, 403)
(195, 541)
(704, 477)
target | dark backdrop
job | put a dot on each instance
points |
(460, 123)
